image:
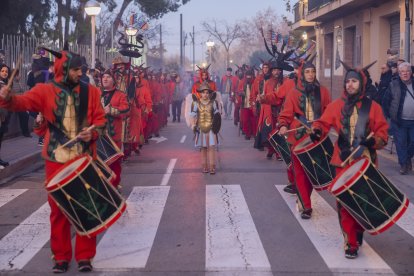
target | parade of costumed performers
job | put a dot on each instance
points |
(206, 124)
(303, 104)
(359, 121)
(73, 120)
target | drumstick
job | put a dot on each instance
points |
(294, 129)
(355, 151)
(10, 82)
(73, 139)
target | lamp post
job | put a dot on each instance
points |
(93, 8)
(210, 45)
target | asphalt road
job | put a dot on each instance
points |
(180, 221)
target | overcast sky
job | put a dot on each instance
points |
(197, 11)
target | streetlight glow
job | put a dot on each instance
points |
(210, 43)
(92, 8)
(131, 31)
(305, 36)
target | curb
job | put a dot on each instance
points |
(21, 166)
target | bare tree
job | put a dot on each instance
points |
(225, 34)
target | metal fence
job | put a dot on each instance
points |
(15, 46)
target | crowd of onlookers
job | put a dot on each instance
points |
(395, 94)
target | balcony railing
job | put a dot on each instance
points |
(315, 4)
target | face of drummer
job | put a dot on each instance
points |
(352, 86)
(309, 75)
(107, 82)
(4, 72)
(276, 73)
(75, 74)
(204, 76)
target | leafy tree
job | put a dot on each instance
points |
(25, 17)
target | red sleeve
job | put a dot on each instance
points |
(32, 100)
(378, 125)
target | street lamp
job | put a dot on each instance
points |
(305, 36)
(131, 31)
(210, 45)
(93, 8)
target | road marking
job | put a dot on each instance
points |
(158, 139)
(406, 221)
(21, 244)
(183, 139)
(7, 195)
(127, 244)
(324, 232)
(232, 241)
(168, 173)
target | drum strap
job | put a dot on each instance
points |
(83, 104)
(317, 103)
(361, 125)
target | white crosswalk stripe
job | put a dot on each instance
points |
(232, 241)
(20, 245)
(127, 244)
(406, 221)
(324, 232)
(7, 195)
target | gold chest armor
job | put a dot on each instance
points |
(310, 115)
(205, 116)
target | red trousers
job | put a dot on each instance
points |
(248, 122)
(349, 226)
(117, 169)
(60, 235)
(303, 185)
(291, 174)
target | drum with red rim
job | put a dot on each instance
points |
(107, 150)
(369, 196)
(280, 145)
(315, 159)
(86, 198)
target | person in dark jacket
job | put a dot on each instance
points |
(399, 106)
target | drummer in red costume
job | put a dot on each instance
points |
(247, 119)
(305, 103)
(268, 113)
(116, 108)
(69, 107)
(354, 117)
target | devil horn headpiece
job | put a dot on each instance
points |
(53, 52)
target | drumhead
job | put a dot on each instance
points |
(66, 171)
(303, 144)
(348, 173)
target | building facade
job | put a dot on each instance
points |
(357, 32)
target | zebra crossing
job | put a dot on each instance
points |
(232, 242)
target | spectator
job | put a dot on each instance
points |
(23, 116)
(399, 106)
(4, 114)
(178, 95)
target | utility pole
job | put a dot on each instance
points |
(407, 32)
(181, 41)
(161, 46)
(192, 35)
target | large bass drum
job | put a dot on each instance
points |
(369, 196)
(87, 199)
(315, 159)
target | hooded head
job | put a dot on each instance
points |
(106, 80)
(64, 61)
(203, 73)
(358, 74)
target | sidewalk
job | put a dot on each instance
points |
(23, 154)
